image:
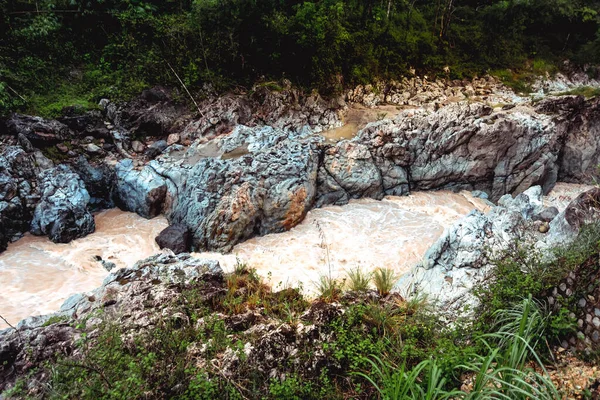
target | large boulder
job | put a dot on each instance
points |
(578, 122)
(37, 130)
(142, 191)
(176, 238)
(225, 201)
(62, 212)
(18, 192)
(466, 146)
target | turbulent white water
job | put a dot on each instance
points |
(36, 275)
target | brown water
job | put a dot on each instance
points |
(36, 275)
(394, 233)
(356, 118)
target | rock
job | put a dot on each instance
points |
(85, 124)
(175, 237)
(544, 227)
(62, 211)
(138, 146)
(585, 209)
(143, 192)
(351, 166)
(226, 201)
(108, 265)
(93, 149)
(37, 341)
(62, 148)
(156, 148)
(37, 130)
(18, 192)
(172, 139)
(578, 122)
(459, 259)
(546, 215)
(99, 181)
(467, 146)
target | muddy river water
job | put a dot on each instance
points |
(36, 275)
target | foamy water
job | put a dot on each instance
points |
(36, 275)
(394, 233)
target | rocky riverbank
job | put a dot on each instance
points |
(248, 165)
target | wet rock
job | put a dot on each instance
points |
(156, 148)
(176, 238)
(18, 192)
(99, 180)
(351, 166)
(143, 192)
(226, 201)
(62, 212)
(37, 130)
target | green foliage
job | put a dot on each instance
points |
(586, 91)
(329, 288)
(384, 280)
(501, 371)
(117, 47)
(358, 280)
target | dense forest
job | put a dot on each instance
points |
(81, 50)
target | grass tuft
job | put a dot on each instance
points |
(358, 280)
(384, 280)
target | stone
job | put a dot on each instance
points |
(138, 146)
(37, 130)
(175, 237)
(143, 192)
(93, 149)
(156, 148)
(546, 215)
(172, 139)
(62, 212)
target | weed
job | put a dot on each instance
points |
(358, 280)
(384, 280)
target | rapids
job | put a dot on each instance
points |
(36, 275)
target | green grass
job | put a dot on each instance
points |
(586, 91)
(388, 347)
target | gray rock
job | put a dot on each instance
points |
(466, 146)
(176, 238)
(156, 148)
(62, 212)
(18, 192)
(93, 149)
(143, 192)
(226, 201)
(37, 130)
(546, 215)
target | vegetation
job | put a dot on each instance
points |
(59, 52)
(364, 346)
